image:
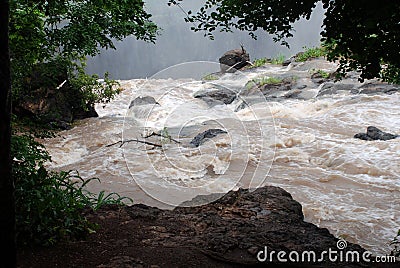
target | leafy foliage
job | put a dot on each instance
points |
(311, 53)
(49, 41)
(93, 89)
(49, 205)
(57, 34)
(362, 36)
(44, 29)
(278, 60)
(365, 37)
(259, 62)
(272, 16)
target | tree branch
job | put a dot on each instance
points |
(136, 140)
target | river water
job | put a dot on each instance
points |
(304, 145)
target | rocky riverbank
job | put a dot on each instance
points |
(229, 232)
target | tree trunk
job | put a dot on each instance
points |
(7, 202)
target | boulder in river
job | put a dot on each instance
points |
(208, 134)
(270, 87)
(143, 101)
(374, 133)
(234, 60)
(218, 96)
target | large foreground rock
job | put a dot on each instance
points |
(228, 232)
(240, 224)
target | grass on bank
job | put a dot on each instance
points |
(320, 72)
(210, 77)
(278, 60)
(311, 53)
(261, 81)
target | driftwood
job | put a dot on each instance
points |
(136, 140)
(146, 142)
(162, 136)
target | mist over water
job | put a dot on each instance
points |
(178, 44)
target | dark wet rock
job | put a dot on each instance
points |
(294, 94)
(301, 87)
(51, 99)
(234, 60)
(331, 88)
(60, 125)
(270, 90)
(236, 227)
(143, 101)
(123, 261)
(363, 136)
(377, 87)
(242, 105)
(208, 134)
(288, 61)
(214, 97)
(249, 101)
(143, 211)
(47, 105)
(320, 77)
(82, 114)
(374, 133)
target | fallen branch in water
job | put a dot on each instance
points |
(162, 136)
(136, 140)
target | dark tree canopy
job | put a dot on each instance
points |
(362, 35)
(365, 36)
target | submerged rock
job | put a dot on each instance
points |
(374, 133)
(234, 60)
(143, 101)
(208, 134)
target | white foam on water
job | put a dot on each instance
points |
(347, 185)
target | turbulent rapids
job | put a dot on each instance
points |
(299, 138)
